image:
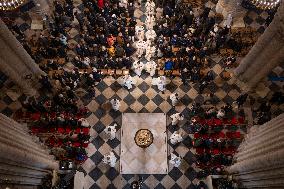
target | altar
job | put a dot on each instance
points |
(143, 144)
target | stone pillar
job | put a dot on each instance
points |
(16, 63)
(266, 54)
(22, 159)
(259, 161)
(233, 7)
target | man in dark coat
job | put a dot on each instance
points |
(241, 99)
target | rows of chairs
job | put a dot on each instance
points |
(219, 135)
(215, 121)
(36, 116)
(60, 130)
(115, 72)
(215, 151)
(216, 137)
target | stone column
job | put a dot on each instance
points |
(16, 63)
(266, 54)
(233, 7)
(22, 159)
(259, 161)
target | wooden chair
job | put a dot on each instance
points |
(61, 61)
(161, 72)
(103, 71)
(230, 51)
(168, 72)
(226, 75)
(118, 72)
(223, 51)
(81, 71)
(125, 72)
(175, 49)
(50, 73)
(176, 73)
(110, 72)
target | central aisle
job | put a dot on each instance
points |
(145, 98)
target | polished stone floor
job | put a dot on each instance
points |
(145, 98)
(152, 159)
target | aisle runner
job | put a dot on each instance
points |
(136, 160)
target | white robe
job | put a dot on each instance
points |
(150, 7)
(160, 53)
(140, 32)
(176, 118)
(84, 122)
(110, 131)
(110, 159)
(161, 86)
(141, 46)
(228, 21)
(175, 160)
(115, 103)
(176, 138)
(150, 52)
(160, 82)
(126, 81)
(151, 35)
(123, 3)
(138, 67)
(150, 22)
(174, 99)
(220, 114)
(151, 68)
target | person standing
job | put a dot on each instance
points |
(138, 67)
(176, 118)
(176, 138)
(150, 52)
(175, 160)
(174, 98)
(151, 68)
(110, 131)
(162, 83)
(110, 159)
(115, 103)
(141, 46)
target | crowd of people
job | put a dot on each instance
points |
(59, 123)
(104, 38)
(185, 41)
(107, 34)
(109, 37)
(216, 134)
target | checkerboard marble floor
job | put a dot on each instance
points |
(143, 98)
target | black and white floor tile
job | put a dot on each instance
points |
(142, 98)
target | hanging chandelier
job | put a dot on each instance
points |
(6, 5)
(266, 4)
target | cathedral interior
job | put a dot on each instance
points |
(141, 94)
